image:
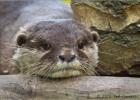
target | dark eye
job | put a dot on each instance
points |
(45, 46)
(81, 45)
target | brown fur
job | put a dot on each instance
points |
(49, 42)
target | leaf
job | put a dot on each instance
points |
(67, 2)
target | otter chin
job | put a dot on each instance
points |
(64, 73)
(56, 49)
(65, 69)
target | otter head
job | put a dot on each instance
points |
(56, 49)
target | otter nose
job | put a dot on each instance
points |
(67, 58)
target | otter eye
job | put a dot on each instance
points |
(81, 45)
(45, 46)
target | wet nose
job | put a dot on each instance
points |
(67, 58)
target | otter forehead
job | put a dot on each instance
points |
(70, 31)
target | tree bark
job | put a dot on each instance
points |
(18, 87)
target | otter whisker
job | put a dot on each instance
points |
(52, 67)
(46, 68)
(83, 69)
(46, 71)
(89, 72)
(103, 63)
(92, 63)
(108, 53)
(86, 70)
(104, 40)
(90, 68)
(86, 67)
(100, 69)
(32, 69)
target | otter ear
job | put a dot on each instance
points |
(95, 36)
(21, 39)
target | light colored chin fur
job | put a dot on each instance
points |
(65, 73)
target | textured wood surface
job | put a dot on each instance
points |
(18, 87)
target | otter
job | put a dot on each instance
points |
(51, 44)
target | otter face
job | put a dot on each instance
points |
(56, 49)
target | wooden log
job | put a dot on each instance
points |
(18, 87)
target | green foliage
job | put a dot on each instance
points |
(67, 1)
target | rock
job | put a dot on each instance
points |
(118, 23)
(107, 14)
